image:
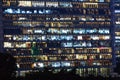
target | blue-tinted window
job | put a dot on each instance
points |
(65, 64)
(101, 0)
(66, 44)
(55, 64)
(9, 10)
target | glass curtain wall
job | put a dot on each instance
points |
(59, 33)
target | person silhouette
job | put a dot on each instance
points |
(7, 66)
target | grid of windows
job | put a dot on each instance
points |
(117, 29)
(58, 33)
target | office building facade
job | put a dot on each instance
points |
(59, 34)
(117, 29)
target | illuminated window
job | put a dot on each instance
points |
(65, 4)
(22, 18)
(53, 37)
(95, 37)
(79, 31)
(38, 65)
(65, 31)
(117, 22)
(48, 11)
(62, 37)
(38, 4)
(29, 31)
(7, 37)
(104, 31)
(55, 64)
(100, 18)
(26, 37)
(52, 58)
(9, 2)
(117, 33)
(81, 57)
(53, 30)
(77, 44)
(90, 5)
(117, 37)
(43, 58)
(83, 18)
(25, 3)
(9, 10)
(51, 4)
(91, 31)
(88, 18)
(89, 44)
(8, 45)
(66, 44)
(104, 37)
(65, 64)
(100, 0)
(79, 38)
(39, 31)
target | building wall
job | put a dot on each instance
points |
(1, 29)
(117, 28)
(59, 33)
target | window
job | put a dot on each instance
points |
(53, 30)
(65, 31)
(66, 44)
(79, 38)
(81, 57)
(65, 64)
(55, 64)
(7, 37)
(27, 23)
(8, 45)
(100, 18)
(95, 37)
(51, 4)
(25, 3)
(89, 18)
(65, 4)
(77, 44)
(83, 18)
(104, 37)
(53, 37)
(117, 37)
(29, 31)
(22, 18)
(9, 2)
(39, 31)
(100, 0)
(38, 4)
(38, 65)
(83, 63)
(90, 5)
(9, 10)
(43, 58)
(117, 33)
(48, 11)
(79, 31)
(117, 22)
(66, 37)
(104, 31)
(91, 31)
